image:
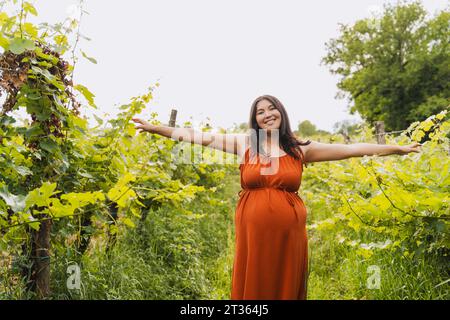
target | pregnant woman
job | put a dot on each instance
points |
(271, 253)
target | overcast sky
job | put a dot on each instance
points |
(213, 58)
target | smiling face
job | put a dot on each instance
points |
(267, 115)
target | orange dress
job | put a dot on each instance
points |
(271, 245)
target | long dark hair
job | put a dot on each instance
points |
(288, 141)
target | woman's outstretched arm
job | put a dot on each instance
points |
(317, 151)
(231, 143)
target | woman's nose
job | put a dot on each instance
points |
(267, 115)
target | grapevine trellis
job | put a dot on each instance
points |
(56, 168)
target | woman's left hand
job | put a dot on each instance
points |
(415, 147)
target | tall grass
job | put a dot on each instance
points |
(173, 256)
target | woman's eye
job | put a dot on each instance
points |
(271, 108)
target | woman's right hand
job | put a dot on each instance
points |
(144, 126)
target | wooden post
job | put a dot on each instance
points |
(346, 136)
(173, 118)
(379, 131)
(40, 269)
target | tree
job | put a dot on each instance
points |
(347, 128)
(306, 129)
(394, 68)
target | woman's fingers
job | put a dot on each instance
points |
(138, 120)
(413, 147)
(140, 128)
(145, 126)
(416, 147)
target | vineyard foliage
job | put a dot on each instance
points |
(87, 181)
(90, 187)
(403, 201)
(390, 213)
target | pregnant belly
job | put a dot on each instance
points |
(271, 209)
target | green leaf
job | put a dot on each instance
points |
(4, 43)
(48, 57)
(99, 120)
(16, 203)
(434, 202)
(19, 45)
(45, 64)
(49, 145)
(41, 108)
(89, 58)
(57, 209)
(48, 189)
(130, 130)
(128, 222)
(34, 130)
(7, 120)
(23, 171)
(426, 125)
(86, 175)
(34, 96)
(60, 39)
(41, 196)
(30, 29)
(51, 78)
(35, 225)
(28, 7)
(77, 200)
(78, 123)
(89, 96)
